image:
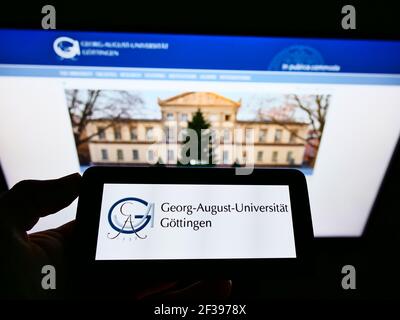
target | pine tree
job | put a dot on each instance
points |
(212, 156)
(205, 151)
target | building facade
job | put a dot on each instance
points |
(140, 141)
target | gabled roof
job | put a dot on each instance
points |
(197, 99)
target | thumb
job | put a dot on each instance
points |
(29, 200)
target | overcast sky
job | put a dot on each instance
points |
(251, 102)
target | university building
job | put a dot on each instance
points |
(140, 141)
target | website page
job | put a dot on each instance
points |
(330, 108)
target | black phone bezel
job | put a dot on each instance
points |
(89, 205)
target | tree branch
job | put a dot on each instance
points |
(308, 111)
(307, 140)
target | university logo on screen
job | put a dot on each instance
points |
(129, 217)
(66, 48)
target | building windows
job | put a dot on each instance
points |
(135, 154)
(170, 155)
(289, 157)
(170, 134)
(227, 117)
(134, 135)
(278, 135)
(150, 155)
(117, 133)
(275, 156)
(149, 133)
(262, 135)
(102, 133)
(260, 155)
(293, 135)
(184, 117)
(120, 155)
(227, 135)
(249, 134)
(225, 157)
(213, 117)
(213, 135)
(170, 116)
(104, 154)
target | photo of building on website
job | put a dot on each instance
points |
(123, 127)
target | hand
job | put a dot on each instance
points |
(23, 255)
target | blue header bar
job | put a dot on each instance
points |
(129, 50)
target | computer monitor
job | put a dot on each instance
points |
(328, 107)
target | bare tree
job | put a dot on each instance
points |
(314, 109)
(107, 105)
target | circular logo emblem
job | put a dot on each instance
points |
(296, 55)
(66, 48)
(129, 216)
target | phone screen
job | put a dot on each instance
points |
(187, 221)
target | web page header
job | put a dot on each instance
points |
(131, 50)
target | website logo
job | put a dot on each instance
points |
(66, 48)
(294, 56)
(129, 216)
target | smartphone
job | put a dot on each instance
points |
(203, 220)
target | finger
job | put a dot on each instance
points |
(61, 238)
(67, 230)
(29, 200)
(62, 234)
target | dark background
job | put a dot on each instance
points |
(375, 255)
